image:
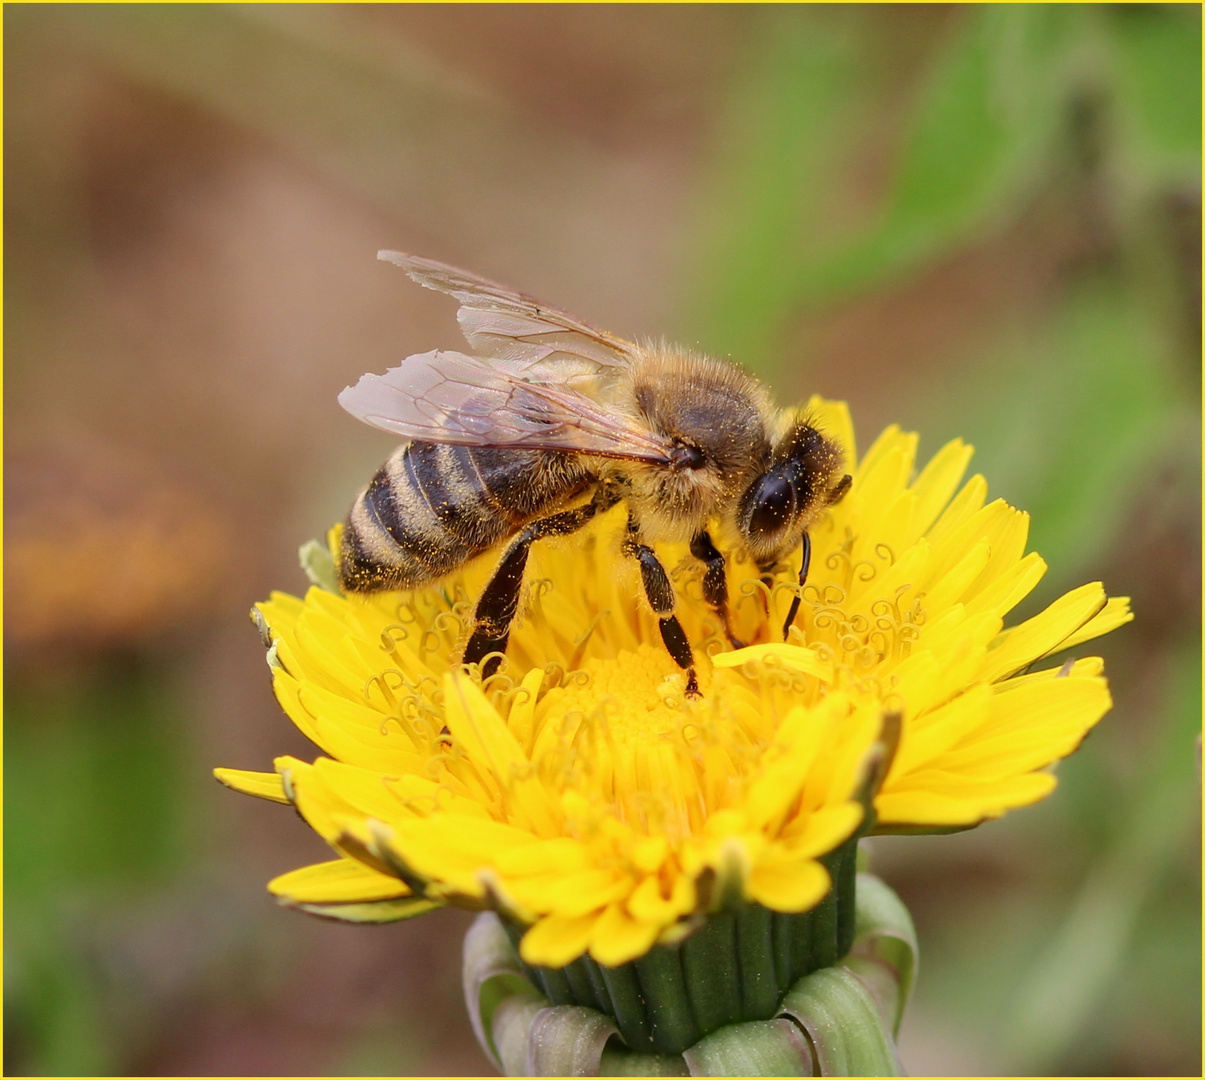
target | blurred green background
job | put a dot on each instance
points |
(979, 221)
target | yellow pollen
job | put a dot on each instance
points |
(629, 741)
(641, 691)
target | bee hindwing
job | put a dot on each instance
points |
(542, 342)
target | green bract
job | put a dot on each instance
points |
(837, 1021)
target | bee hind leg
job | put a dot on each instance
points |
(660, 595)
(715, 584)
(499, 601)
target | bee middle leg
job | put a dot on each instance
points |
(661, 599)
(715, 584)
(500, 599)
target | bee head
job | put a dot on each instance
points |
(804, 477)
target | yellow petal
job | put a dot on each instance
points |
(363, 791)
(833, 418)
(1085, 667)
(881, 479)
(978, 800)
(340, 881)
(892, 441)
(1114, 614)
(785, 768)
(953, 582)
(260, 784)
(649, 905)
(521, 719)
(788, 885)
(555, 941)
(931, 733)
(287, 691)
(962, 507)
(618, 937)
(561, 855)
(1044, 633)
(825, 830)
(794, 657)
(1046, 706)
(933, 802)
(570, 893)
(938, 481)
(1009, 588)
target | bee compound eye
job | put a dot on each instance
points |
(771, 504)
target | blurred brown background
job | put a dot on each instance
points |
(979, 221)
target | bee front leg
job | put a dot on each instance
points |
(715, 584)
(499, 601)
(661, 599)
(803, 577)
(835, 496)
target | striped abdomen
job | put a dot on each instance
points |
(431, 507)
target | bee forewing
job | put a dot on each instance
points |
(448, 397)
(547, 344)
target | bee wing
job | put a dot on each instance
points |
(448, 397)
(544, 343)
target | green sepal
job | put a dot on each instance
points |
(665, 1001)
(884, 936)
(500, 998)
(370, 911)
(711, 973)
(753, 1048)
(510, 1031)
(567, 1040)
(875, 767)
(862, 860)
(618, 1060)
(922, 830)
(319, 566)
(841, 1018)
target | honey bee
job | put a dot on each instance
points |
(554, 422)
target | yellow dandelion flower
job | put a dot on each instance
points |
(583, 795)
